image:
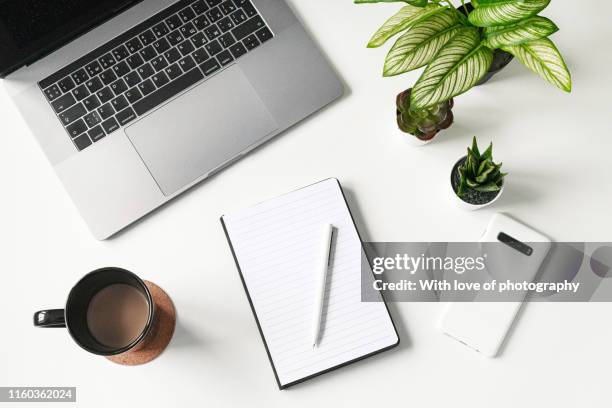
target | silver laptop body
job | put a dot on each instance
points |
(161, 153)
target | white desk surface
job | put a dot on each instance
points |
(556, 147)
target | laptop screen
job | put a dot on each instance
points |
(31, 28)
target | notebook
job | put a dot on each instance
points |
(276, 247)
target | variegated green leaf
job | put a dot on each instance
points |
(500, 12)
(459, 65)
(406, 17)
(418, 3)
(416, 47)
(543, 58)
(530, 29)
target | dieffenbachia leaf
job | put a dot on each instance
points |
(417, 3)
(416, 47)
(459, 65)
(530, 29)
(543, 58)
(403, 19)
(489, 13)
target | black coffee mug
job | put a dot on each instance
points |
(74, 316)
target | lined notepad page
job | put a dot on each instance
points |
(277, 246)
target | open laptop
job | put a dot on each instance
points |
(134, 102)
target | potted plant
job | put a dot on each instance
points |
(460, 46)
(476, 179)
(423, 124)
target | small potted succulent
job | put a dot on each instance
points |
(423, 124)
(476, 179)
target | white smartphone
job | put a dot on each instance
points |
(483, 325)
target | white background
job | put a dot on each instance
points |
(556, 147)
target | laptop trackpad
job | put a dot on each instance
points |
(201, 130)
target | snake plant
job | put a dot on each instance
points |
(456, 48)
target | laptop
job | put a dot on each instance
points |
(134, 102)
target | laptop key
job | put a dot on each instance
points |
(227, 7)
(212, 32)
(63, 103)
(186, 47)
(163, 94)
(82, 142)
(121, 69)
(133, 95)
(76, 128)
(125, 116)
(134, 61)
(187, 14)
(159, 63)
(93, 68)
(92, 119)
(119, 86)
(160, 79)
(52, 92)
(264, 34)
(120, 53)
(107, 60)
(199, 6)
(146, 71)
(161, 29)
(214, 14)
(91, 102)
(201, 22)
(161, 46)
(66, 84)
(175, 37)
(187, 63)
(148, 53)
(110, 125)
(249, 9)
(251, 42)
(239, 17)
(239, 3)
(238, 50)
(80, 76)
(225, 57)
(199, 40)
(213, 3)
(227, 40)
(132, 79)
(172, 55)
(213, 47)
(108, 76)
(248, 27)
(225, 24)
(96, 133)
(200, 55)
(174, 22)
(210, 67)
(94, 84)
(146, 87)
(106, 111)
(134, 45)
(173, 71)
(80, 92)
(147, 37)
(188, 30)
(105, 94)
(120, 103)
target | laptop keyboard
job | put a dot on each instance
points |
(149, 64)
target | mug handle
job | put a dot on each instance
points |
(50, 318)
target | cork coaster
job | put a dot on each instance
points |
(160, 335)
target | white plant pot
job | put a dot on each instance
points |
(468, 206)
